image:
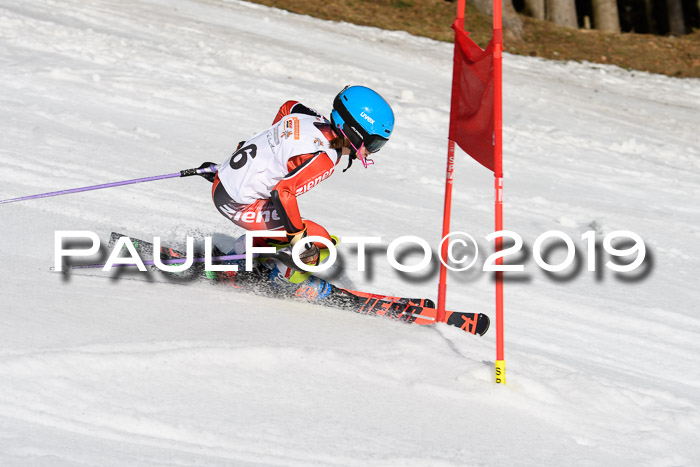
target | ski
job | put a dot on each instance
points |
(316, 290)
(426, 302)
(411, 311)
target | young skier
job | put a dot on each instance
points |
(256, 188)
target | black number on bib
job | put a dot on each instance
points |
(240, 157)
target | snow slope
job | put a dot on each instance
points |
(93, 371)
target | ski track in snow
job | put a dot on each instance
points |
(601, 371)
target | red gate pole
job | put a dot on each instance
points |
(498, 174)
(447, 210)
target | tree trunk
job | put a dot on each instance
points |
(535, 8)
(512, 24)
(652, 27)
(676, 23)
(562, 13)
(605, 16)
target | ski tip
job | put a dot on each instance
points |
(472, 323)
(483, 324)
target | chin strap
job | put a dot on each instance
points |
(351, 157)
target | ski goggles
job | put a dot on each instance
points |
(374, 143)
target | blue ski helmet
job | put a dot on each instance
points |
(363, 116)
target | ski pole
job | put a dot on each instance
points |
(282, 257)
(203, 170)
(165, 261)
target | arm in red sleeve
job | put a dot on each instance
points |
(294, 107)
(301, 179)
(285, 110)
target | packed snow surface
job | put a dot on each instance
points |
(602, 368)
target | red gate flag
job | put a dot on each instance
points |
(471, 111)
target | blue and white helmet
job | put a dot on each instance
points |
(363, 116)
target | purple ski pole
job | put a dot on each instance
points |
(203, 170)
(165, 261)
